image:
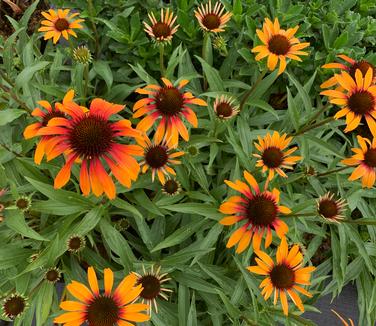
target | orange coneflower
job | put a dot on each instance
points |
(157, 156)
(279, 44)
(170, 104)
(331, 209)
(272, 157)
(59, 23)
(153, 287)
(285, 276)
(365, 159)
(212, 19)
(362, 65)
(259, 210)
(103, 309)
(161, 31)
(91, 139)
(357, 98)
(45, 116)
(225, 107)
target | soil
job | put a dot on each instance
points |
(17, 12)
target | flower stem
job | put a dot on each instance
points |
(300, 215)
(92, 14)
(161, 59)
(332, 171)
(318, 113)
(86, 74)
(207, 55)
(314, 126)
(251, 90)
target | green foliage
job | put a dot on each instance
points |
(210, 283)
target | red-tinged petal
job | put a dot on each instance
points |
(63, 176)
(190, 116)
(32, 130)
(236, 236)
(40, 150)
(84, 179)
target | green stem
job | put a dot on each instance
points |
(300, 214)
(206, 55)
(316, 125)
(332, 171)
(91, 11)
(318, 113)
(251, 90)
(86, 74)
(22, 104)
(358, 222)
(161, 59)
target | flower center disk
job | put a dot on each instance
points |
(14, 306)
(75, 243)
(156, 156)
(279, 45)
(52, 275)
(91, 137)
(61, 24)
(102, 311)
(161, 30)
(272, 157)
(328, 208)
(282, 276)
(363, 66)
(171, 186)
(261, 211)
(211, 21)
(151, 285)
(169, 101)
(224, 110)
(361, 102)
(370, 157)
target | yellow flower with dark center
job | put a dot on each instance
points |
(158, 157)
(212, 19)
(59, 23)
(163, 30)
(285, 276)
(111, 308)
(365, 161)
(153, 287)
(279, 44)
(170, 104)
(362, 65)
(272, 156)
(357, 97)
(331, 209)
(258, 209)
(225, 107)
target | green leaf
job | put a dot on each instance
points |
(292, 110)
(103, 69)
(43, 303)
(11, 255)
(15, 220)
(9, 115)
(180, 235)
(212, 75)
(28, 73)
(89, 222)
(302, 92)
(206, 210)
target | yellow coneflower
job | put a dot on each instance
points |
(331, 209)
(225, 107)
(365, 160)
(283, 276)
(163, 30)
(279, 44)
(169, 103)
(212, 19)
(362, 65)
(345, 323)
(259, 210)
(153, 288)
(59, 23)
(357, 97)
(272, 157)
(158, 157)
(111, 308)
